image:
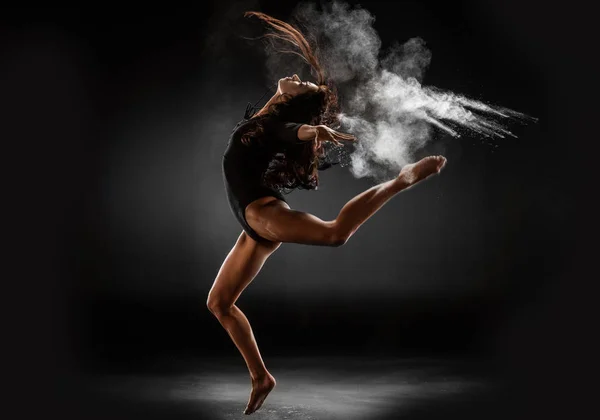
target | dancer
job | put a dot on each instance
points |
(281, 148)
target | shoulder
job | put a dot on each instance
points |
(240, 124)
(249, 132)
(243, 126)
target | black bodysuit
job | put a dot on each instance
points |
(244, 165)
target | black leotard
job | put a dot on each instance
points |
(243, 166)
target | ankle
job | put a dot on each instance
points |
(400, 183)
(258, 376)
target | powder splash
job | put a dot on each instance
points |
(385, 105)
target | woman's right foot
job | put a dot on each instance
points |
(423, 169)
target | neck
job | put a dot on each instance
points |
(265, 109)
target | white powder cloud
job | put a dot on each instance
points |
(384, 103)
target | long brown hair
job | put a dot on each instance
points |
(298, 166)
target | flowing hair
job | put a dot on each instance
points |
(297, 167)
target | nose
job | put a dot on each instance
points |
(296, 77)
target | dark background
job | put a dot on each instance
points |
(120, 118)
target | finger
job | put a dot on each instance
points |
(339, 133)
(332, 138)
(318, 144)
(350, 139)
(344, 136)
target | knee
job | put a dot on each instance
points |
(218, 306)
(338, 237)
(339, 241)
(272, 246)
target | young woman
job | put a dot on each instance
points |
(279, 148)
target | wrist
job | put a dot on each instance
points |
(308, 132)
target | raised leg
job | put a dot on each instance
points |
(274, 220)
(240, 267)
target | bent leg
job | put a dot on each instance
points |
(274, 220)
(241, 265)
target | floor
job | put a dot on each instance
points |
(307, 389)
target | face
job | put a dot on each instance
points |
(294, 86)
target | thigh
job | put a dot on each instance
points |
(241, 265)
(274, 220)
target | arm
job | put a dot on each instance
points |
(294, 133)
(307, 132)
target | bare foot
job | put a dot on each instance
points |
(423, 169)
(260, 389)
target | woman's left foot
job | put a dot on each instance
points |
(260, 389)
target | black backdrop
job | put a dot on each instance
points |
(122, 115)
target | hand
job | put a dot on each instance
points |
(324, 133)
